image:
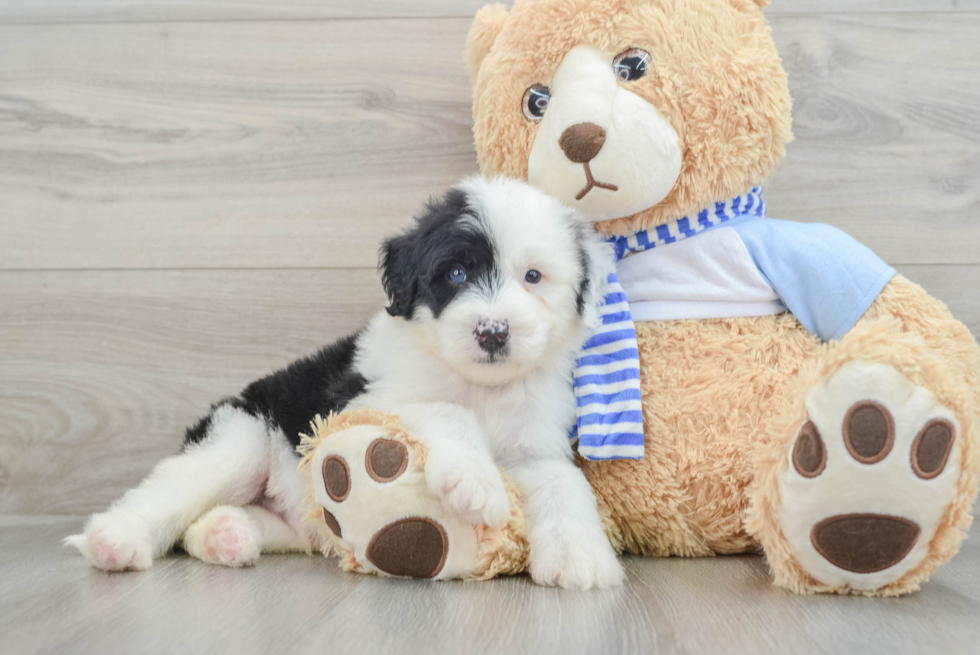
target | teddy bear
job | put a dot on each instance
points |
(798, 397)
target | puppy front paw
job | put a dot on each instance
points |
(115, 542)
(585, 563)
(472, 489)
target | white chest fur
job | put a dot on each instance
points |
(529, 418)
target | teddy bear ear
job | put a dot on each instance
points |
(486, 26)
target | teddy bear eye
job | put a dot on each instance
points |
(535, 101)
(632, 64)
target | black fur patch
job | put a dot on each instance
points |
(583, 282)
(415, 265)
(289, 398)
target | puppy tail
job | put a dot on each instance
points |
(75, 541)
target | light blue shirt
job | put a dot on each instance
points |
(823, 276)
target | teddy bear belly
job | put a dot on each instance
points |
(710, 389)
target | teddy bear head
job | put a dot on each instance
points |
(635, 112)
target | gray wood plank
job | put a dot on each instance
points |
(267, 144)
(224, 145)
(51, 602)
(103, 370)
(130, 11)
(870, 6)
(115, 11)
(887, 120)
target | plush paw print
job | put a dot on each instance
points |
(872, 472)
(374, 499)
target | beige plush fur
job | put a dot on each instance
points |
(722, 399)
(716, 76)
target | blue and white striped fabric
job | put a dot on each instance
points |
(609, 421)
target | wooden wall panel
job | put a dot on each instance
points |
(116, 11)
(298, 144)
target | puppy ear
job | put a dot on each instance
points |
(399, 274)
(598, 262)
(487, 24)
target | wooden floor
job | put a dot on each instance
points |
(51, 602)
(192, 193)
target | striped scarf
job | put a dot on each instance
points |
(609, 411)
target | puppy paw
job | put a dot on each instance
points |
(226, 536)
(472, 489)
(584, 563)
(115, 542)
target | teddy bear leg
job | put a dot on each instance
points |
(865, 486)
(389, 502)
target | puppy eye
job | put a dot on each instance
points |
(535, 102)
(632, 64)
(457, 275)
(532, 276)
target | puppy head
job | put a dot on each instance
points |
(497, 279)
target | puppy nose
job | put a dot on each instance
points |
(582, 142)
(492, 336)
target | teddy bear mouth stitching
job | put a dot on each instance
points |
(590, 183)
(581, 143)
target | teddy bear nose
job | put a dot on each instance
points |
(582, 142)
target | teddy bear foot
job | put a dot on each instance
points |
(872, 473)
(374, 507)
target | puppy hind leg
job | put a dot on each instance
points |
(236, 536)
(229, 466)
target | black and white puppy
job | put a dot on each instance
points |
(491, 293)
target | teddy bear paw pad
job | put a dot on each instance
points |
(374, 500)
(870, 475)
(412, 547)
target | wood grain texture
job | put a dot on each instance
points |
(225, 145)
(887, 123)
(291, 144)
(101, 371)
(117, 11)
(144, 11)
(51, 602)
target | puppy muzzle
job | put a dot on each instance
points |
(492, 337)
